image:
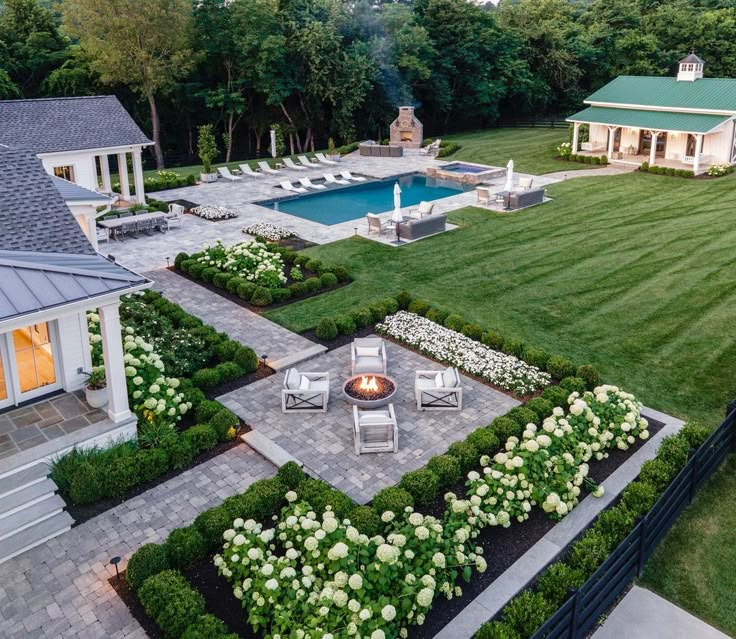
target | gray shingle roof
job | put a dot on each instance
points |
(74, 193)
(32, 281)
(33, 215)
(67, 124)
(691, 59)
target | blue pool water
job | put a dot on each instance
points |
(352, 202)
(464, 168)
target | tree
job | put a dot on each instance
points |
(206, 147)
(142, 44)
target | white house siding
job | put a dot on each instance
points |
(73, 350)
(85, 169)
(85, 216)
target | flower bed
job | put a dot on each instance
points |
(454, 348)
(268, 231)
(213, 213)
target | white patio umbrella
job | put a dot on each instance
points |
(273, 143)
(509, 186)
(396, 215)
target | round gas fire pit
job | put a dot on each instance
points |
(369, 390)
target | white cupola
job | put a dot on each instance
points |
(691, 68)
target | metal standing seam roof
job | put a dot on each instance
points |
(656, 120)
(710, 94)
(72, 192)
(31, 281)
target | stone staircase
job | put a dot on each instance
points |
(30, 510)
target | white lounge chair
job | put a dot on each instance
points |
(311, 185)
(483, 195)
(267, 169)
(290, 165)
(321, 158)
(368, 355)
(524, 184)
(431, 149)
(304, 160)
(375, 225)
(348, 176)
(288, 186)
(305, 392)
(329, 177)
(424, 208)
(375, 431)
(247, 170)
(438, 390)
(175, 215)
(225, 172)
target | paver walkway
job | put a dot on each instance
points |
(61, 589)
(249, 328)
(611, 169)
(643, 614)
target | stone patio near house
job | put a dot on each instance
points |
(323, 442)
(34, 424)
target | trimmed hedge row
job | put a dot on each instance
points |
(665, 170)
(586, 159)
(326, 277)
(524, 614)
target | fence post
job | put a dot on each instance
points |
(691, 464)
(641, 522)
(730, 409)
(574, 619)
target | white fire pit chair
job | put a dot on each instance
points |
(305, 392)
(375, 431)
(438, 390)
(368, 355)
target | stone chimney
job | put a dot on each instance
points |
(407, 130)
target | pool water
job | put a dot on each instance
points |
(352, 202)
(464, 168)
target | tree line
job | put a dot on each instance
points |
(337, 68)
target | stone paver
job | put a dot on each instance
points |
(61, 589)
(644, 615)
(249, 328)
(611, 169)
(323, 442)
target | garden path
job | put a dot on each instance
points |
(61, 590)
(283, 347)
(611, 169)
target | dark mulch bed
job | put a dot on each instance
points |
(126, 593)
(502, 547)
(226, 387)
(188, 205)
(296, 243)
(258, 309)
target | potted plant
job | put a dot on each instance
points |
(207, 150)
(332, 153)
(96, 388)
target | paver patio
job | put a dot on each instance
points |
(61, 588)
(323, 442)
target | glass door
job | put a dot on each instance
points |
(6, 394)
(35, 360)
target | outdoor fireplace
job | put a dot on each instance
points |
(369, 390)
(407, 130)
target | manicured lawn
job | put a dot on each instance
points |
(632, 273)
(533, 150)
(695, 567)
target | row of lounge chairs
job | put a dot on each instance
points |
(306, 183)
(304, 164)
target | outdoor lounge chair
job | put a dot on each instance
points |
(524, 184)
(431, 149)
(438, 390)
(290, 165)
(424, 208)
(483, 195)
(305, 392)
(305, 161)
(329, 177)
(288, 186)
(247, 170)
(321, 158)
(348, 176)
(311, 185)
(267, 169)
(225, 172)
(375, 225)
(175, 215)
(375, 431)
(368, 355)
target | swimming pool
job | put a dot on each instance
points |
(352, 202)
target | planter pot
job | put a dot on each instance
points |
(96, 398)
(334, 158)
(208, 177)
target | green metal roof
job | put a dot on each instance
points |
(657, 120)
(714, 94)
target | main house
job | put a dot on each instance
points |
(74, 139)
(681, 122)
(50, 277)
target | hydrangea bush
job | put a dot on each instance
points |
(250, 260)
(272, 232)
(454, 348)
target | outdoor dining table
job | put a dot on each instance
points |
(143, 221)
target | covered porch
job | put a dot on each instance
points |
(689, 141)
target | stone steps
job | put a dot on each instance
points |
(268, 449)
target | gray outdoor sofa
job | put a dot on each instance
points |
(520, 199)
(380, 150)
(428, 225)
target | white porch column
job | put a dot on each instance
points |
(698, 151)
(106, 183)
(611, 139)
(124, 179)
(112, 352)
(140, 194)
(653, 149)
(575, 135)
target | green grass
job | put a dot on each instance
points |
(533, 150)
(695, 566)
(632, 273)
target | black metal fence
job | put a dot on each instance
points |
(525, 123)
(577, 616)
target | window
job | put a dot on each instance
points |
(66, 172)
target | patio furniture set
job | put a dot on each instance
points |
(264, 169)
(373, 149)
(117, 226)
(420, 222)
(370, 390)
(520, 197)
(346, 177)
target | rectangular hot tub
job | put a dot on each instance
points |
(466, 172)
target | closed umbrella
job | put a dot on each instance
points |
(273, 143)
(509, 176)
(396, 215)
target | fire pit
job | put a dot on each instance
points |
(369, 390)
